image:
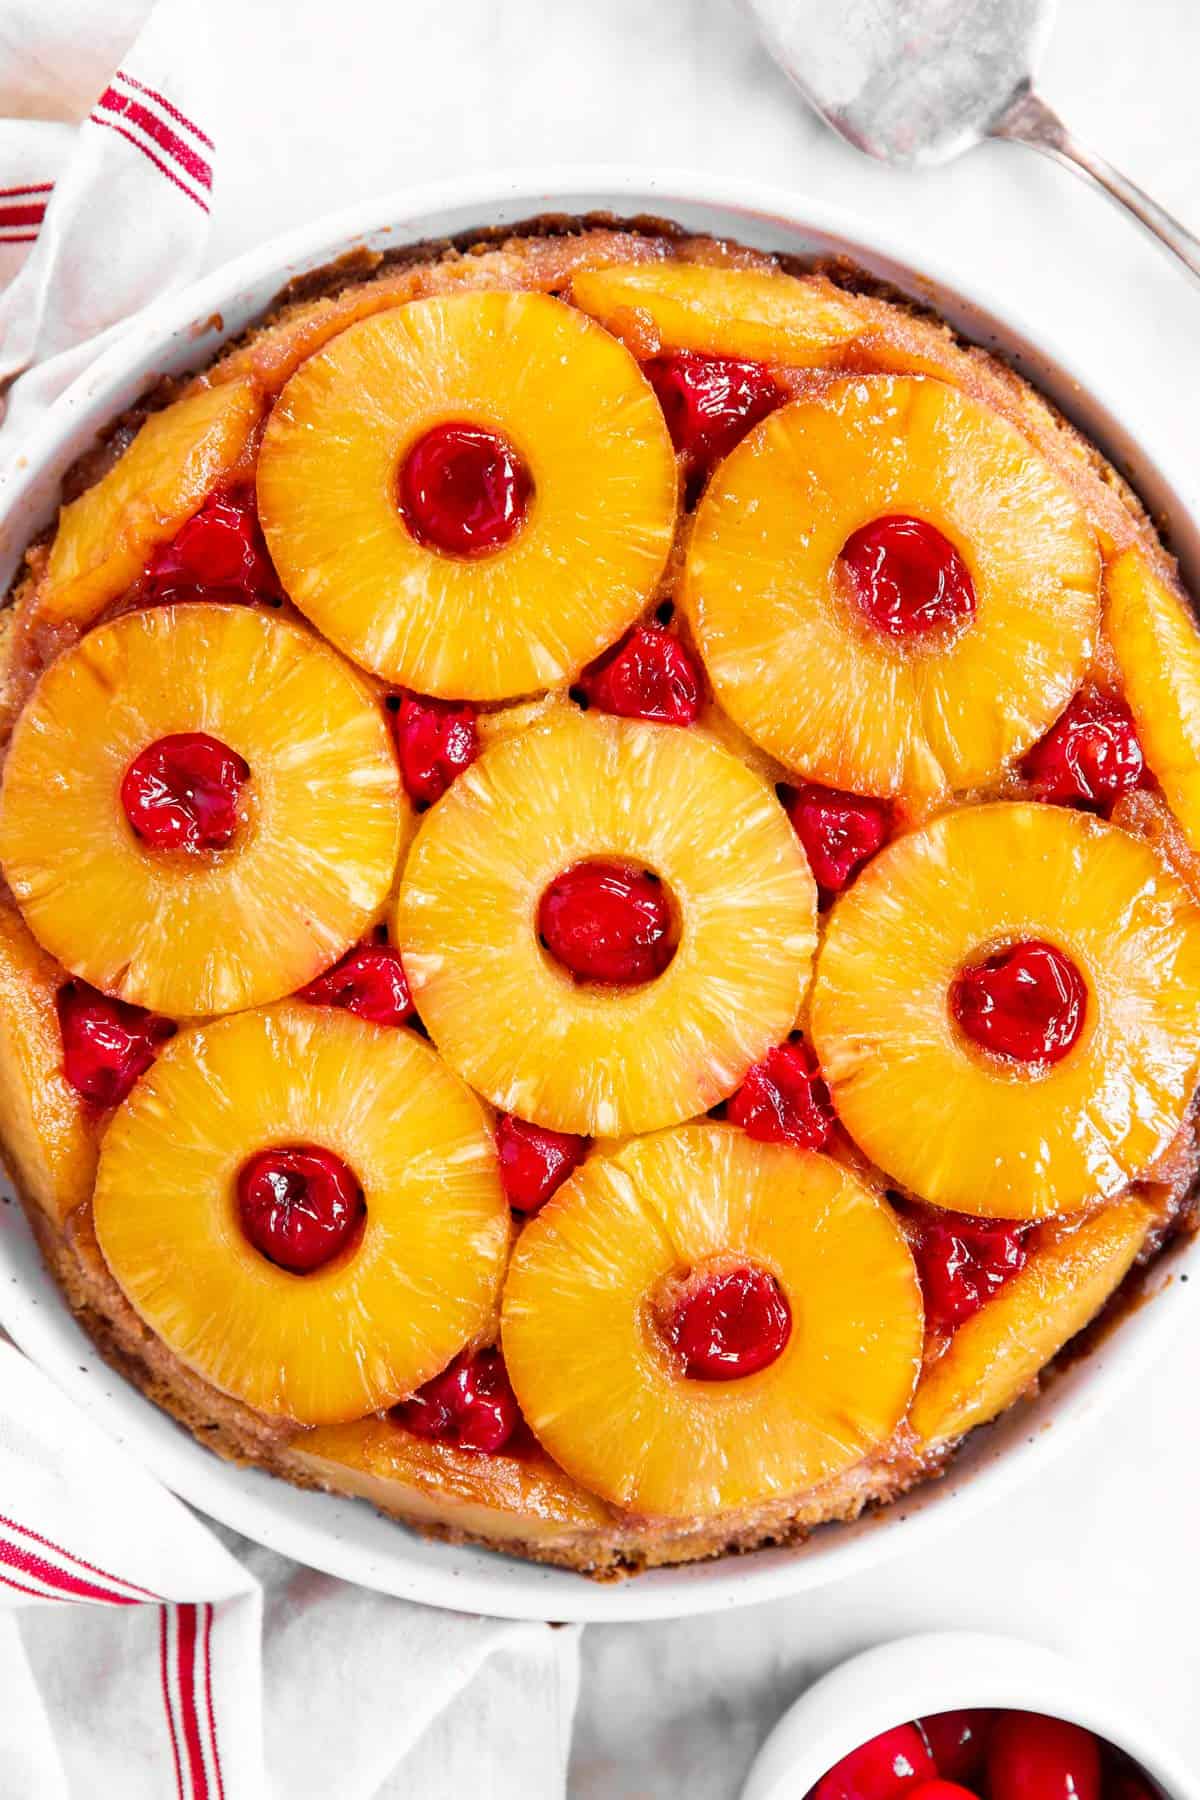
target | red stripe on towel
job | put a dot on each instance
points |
(79, 1561)
(98, 119)
(112, 100)
(208, 1699)
(69, 1586)
(30, 213)
(186, 1660)
(163, 1631)
(161, 100)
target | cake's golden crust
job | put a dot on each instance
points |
(894, 336)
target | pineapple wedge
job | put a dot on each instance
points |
(389, 1311)
(746, 313)
(976, 1133)
(516, 1498)
(47, 1135)
(795, 661)
(596, 1380)
(997, 1355)
(1154, 634)
(106, 536)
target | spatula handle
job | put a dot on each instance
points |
(1030, 121)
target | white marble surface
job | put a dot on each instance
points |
(1096, 1557)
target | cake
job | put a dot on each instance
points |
(601, 846)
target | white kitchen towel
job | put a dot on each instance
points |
(142, 1653)
(100, 217)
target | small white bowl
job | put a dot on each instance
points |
(184, 331)
(940, 1672)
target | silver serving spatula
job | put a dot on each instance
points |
(919, 81)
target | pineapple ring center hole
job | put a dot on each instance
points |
(463, 490)
(299, 1206)
(609, 923)
(185, 792)
(1025, 1001)
(907, 579)
(720, 1320)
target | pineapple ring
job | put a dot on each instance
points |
(192, 934)
(383, 1317)
(515, 1025)
(791, 657)
(942, 1118)
(571, 401)
(605, 1396)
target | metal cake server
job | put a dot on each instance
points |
(919, 81)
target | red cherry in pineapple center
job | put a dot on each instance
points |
(908, 578)
(1028, 1002)
(463, 489)
(729, 1323)
(605, 922)
(298, 1205)
(183, 792)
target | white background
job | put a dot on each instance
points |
(343, 98)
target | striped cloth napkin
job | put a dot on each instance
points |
(144, 1654)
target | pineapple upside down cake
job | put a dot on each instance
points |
(601, 843)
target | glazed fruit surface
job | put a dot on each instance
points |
(614, 962)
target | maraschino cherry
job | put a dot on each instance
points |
(463, 490)
(784, 1100)
(1091, 756)
(648, 675)
(963, 1262)
(839, 831)
(1003, 1755)
(1027, 1002)
(710, 402)
(220, 554)
(1127, 1785)
(435, 741)
(106, 1043)
(534, 1161)
(369, 981)
(908, 578)
(299, 1205)
(607, 923)
(957, 1740)
(1033, 1757)
(730, 1324)
(184, 792)
(888, 1767)
(470, 1404)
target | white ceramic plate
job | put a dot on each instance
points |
(346, 1538)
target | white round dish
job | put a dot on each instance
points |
(939, 1672)
(184, 331)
